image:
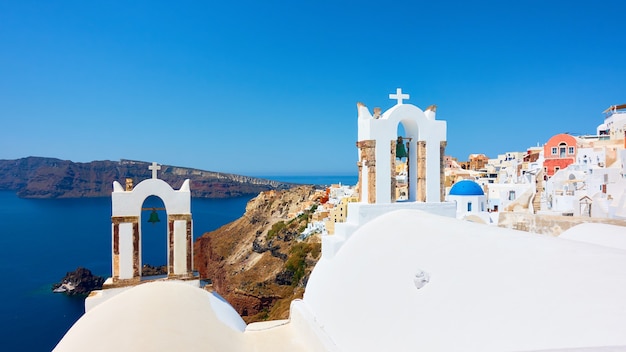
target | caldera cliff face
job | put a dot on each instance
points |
(258, 263)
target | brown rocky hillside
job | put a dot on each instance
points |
(257, 262)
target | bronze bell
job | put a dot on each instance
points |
(154, 217)
(400, 150)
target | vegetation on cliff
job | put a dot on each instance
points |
(258, 262)
(36, 177)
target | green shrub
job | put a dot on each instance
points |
(296, 263)
(276, 228)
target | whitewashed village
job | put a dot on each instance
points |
(523, 252)
(580, 178)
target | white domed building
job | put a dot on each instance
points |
(471, 202)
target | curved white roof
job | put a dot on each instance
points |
(157, 316)
(405, 281)
(175, 316)
(597, 233)
(483, 289)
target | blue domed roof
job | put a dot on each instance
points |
(466, 188)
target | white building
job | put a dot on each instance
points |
(614, 125)
(502, 195)
(471, 203)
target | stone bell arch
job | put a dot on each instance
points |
(126, 229)
(376, 145)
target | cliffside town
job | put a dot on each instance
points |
(579, 178)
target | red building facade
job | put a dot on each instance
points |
(559, 153)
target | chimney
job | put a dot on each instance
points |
(129, 184)
(376, 113)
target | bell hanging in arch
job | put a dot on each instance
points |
(154, 217)
(400, 150)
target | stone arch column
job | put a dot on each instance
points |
(367, 170)
(421, 171)
(393, 180)
(125, 238)
(442, 168)
(180, 245)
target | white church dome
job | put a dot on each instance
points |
(466, 188)
(158, 316)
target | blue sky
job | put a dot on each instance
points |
(270, 87)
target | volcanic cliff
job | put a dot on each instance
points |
(37, 177)
(258, 263)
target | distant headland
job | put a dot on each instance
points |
(40, 177)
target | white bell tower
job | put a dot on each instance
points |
(377, 138)
(126, 229)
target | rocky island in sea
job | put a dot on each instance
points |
(78, 282)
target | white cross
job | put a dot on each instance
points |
(154, 167)
(399, 96)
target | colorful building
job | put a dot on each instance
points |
(559, 152)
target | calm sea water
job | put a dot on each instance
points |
(42, 239)
(348, 180)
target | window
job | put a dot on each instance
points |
(511, 195)
(570, 150)
(469, 206)
(553, 150)
(556, 169)
(562, 150)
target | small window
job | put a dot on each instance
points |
(556, 169)
(511, 195)
(554, 150)
(482, 206)
(469, 206)
(570, 150)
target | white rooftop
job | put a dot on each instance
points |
(405, 281)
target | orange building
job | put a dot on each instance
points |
(559, 153)
(478, 161)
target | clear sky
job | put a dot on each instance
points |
(270, 87)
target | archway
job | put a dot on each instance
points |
(153, 237)
(400, 171)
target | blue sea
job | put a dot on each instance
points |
(42, 239)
